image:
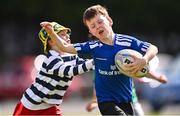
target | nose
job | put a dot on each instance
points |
(67, 38)
(67, 35)
(98, 26)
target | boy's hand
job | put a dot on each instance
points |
(47, 26)
(91, 106)
(136, 66)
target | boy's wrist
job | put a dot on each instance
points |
(94, 101)
(145, 59)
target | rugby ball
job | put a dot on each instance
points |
(124, 57)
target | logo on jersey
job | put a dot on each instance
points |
(110, 73)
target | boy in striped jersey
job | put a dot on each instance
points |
(45, 95)
(113, 89)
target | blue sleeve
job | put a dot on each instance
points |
(140, 46)
(86, 47)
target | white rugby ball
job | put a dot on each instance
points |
(124, 57)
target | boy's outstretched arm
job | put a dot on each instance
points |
(157, 76)
(61, 44)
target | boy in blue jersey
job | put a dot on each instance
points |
(113, 89)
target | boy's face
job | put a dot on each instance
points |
(65, 36)
(100, 26)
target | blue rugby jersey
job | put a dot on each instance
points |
(110, 84)
(53, 79)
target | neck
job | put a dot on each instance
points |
(109, 40)
(57, 50)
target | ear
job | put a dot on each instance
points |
(51, 43)
(90, 32)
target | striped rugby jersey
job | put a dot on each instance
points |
(53, 79)
(110, 83)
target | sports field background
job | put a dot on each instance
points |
(76, 107)
(155, 21)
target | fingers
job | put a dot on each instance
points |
(88, 108)
(135, 66)
(47, 26)
(132, 69)
(163, 79)
(133, 56)
(91, 106)
(44, 23)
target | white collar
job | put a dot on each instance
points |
(54, 53)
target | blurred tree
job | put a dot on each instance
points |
(139, 17)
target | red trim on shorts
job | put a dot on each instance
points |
(21, 110)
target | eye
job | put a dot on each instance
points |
(63, 34)
(100, 21)
(93, 26)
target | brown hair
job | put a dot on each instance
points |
(92, 11)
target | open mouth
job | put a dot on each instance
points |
(101, 31)
(68, 41)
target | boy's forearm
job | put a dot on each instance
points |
(60, 42)
(153, 75)
(151, 52)
(76, 70)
